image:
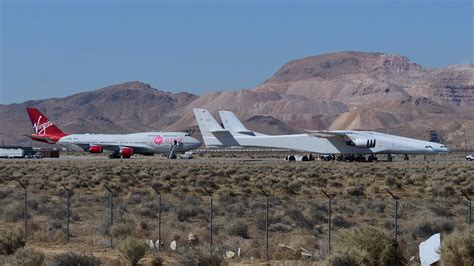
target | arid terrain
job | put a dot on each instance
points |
(430, 194)
(343, 90)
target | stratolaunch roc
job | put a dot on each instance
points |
(346, 143)
(119, 145)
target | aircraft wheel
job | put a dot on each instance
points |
(114, 156)
(292, 158)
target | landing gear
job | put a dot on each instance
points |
(372, 158)
(360, 158)
(389, 158)
(115, 155)
(406, 158)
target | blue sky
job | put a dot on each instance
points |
(57, 48)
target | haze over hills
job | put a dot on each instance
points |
(345, 90)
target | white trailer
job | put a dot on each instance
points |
(12, 153)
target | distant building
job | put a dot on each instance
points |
(15, 151)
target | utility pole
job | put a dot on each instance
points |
(266, 224)
(395, 225)
(111, 212)
(329, 219)
(210, 220)
(67, 212)
(469, 210)
(159, 218)
(25, 210)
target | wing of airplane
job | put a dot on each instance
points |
(327, 134)
(358, 139)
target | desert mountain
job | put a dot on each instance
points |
(345, 90)
(127, 107)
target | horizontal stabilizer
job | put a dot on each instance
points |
(212, 132)
(234, 125)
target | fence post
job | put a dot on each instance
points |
(159, 218)
(266, 225)
(395, 225)
(469, 210)
(210, 220)
(25, 210)
(67, 212)
(111, 218)
(329, 219)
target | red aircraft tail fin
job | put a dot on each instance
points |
(41, 124)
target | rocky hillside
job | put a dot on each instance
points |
(356, 90)
(127, 107)
(345, 90)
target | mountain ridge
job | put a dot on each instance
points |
(344, 90)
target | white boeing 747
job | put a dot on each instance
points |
(119, 145)
(337, 142)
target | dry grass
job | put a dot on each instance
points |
(430, 194)
(457, 248)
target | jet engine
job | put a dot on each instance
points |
(365, 143)
(95, 149)
(126, 152)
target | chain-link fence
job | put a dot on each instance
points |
(234, 225)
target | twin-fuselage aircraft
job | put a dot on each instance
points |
(119, 145)
(338, 142)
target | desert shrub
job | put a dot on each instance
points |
(5, 192)
(370, 246)
(443, 191)
(156, 261)
(427, 228)
(145, 211)
(27, 256)
(55, 224)
(77, 259)
(298, 217)
(138, 196)
(457, 248)
(317, 213)
(342, 260)
(440, 209)
(14, 212)
(198, 258)
(132, 249)
(185, 213)
(340, 221)
(237, 209)
(355, 190)
(380, 207)
(239, 228)
(10, 242)
(122, 230)
(279, 227)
